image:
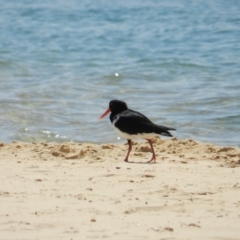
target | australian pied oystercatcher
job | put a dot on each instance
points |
(134, 125)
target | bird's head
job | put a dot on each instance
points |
(115, 106)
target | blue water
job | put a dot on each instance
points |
(61, 62)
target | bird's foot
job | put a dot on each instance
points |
(152, 160)
(126, 160)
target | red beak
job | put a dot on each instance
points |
(106, 113)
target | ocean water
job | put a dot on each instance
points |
(61, 62)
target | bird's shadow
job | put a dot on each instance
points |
(131, 162)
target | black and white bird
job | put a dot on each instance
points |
(134, 125)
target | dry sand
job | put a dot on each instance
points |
(86, 191)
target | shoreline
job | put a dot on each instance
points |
(179, 149)
(84, 190)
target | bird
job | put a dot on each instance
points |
(133, 125)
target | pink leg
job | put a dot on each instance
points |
(153, 156)
(129, 149)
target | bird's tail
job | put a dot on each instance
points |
(164, 131)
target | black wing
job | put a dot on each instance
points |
(133, 122)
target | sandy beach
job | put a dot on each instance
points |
(86, 191)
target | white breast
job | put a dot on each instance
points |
(135, 136)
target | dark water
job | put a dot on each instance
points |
(61, 62)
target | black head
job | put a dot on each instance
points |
(117, 106)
